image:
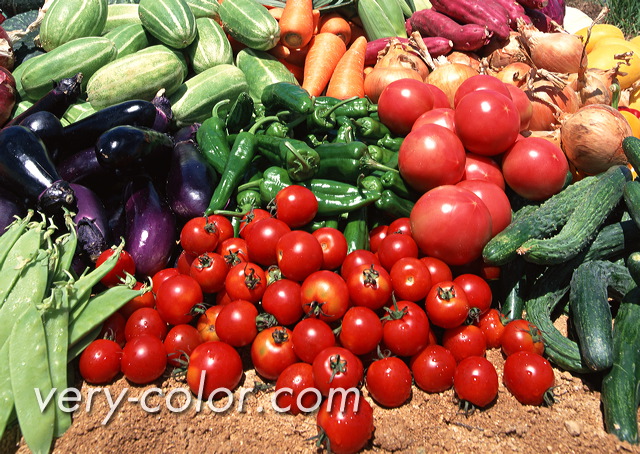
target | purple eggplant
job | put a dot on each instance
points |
(81, 166)
(190, 182)
(164, 114)
(186, 133)
(10, 207)
(151, 232)
(46, 126)
(92, 223)
(124, 148)
(26, 169)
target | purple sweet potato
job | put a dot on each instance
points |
(486, 12)
(533, 4)
(467, 37)
(515, 11)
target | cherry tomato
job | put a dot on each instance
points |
(180, 342)
(234, 250)
(236, 323)
(395, 246)
(405, 330)
(272, 352)
(147, 299)
(113, 329)
(476, 381)
(325, 295)
(447, 305)
(356, 258)
(263, 238)
(439, 270)
(376, 235)
(491, 112)
(144, 359)
(388, 381)
(483, 168)
(431, 156)
(209, 270)
(495, 199)
(224, 226)
(361, 330)
(369, 286)
(491, 324)
(433, 368)
(345, 430)
(410, 278)
(161, 276)
(401, 102)
(477, 291)
(282, 300)
(298, 378)
(529, 377)
(183, 264)
(296, 205)
(250, 219)
(246, 281)
(212, 366)
(298, 254)
(334, 247)
(100, 361)
(206, 325)
(451, 223)
(199, 235)
(310, 336)
(520, 334)
(176, 298)
(464, 340)
(124, 264)
(336, 367)
(145, 320)
(400, 225)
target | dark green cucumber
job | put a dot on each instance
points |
(631, 149)
(540, 222)
(631, 195)
(591, 312)
(619, 393)
(593, 208)
(633, 265)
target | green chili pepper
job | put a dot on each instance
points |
(353, 108)
(212, 139)
(390, 142)
(394, 205)
(384, 156)
(324, 118)
(319, 223)
(346, 162)
(371, 183)
(394, 181)
(241, 112)
(248, 199)
(370, 128)
(346, 132)
(277, 129)
(300, 160)
(242, 154)
(281, 96)
(356, 230)
(313, 141)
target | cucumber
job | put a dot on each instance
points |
(211, 46)
(535, 223)
(204, 8)
(139, 75)
(620, 386)
(128, 38)
(250, 23)
(66, 20)
(631, 149)
(121, 14)
(633, 265)
(262, 69)
(77, 112)
(193, 101)
(591, 312)
(170, 21)
(631, 195)
(593, 208)
(81, 55)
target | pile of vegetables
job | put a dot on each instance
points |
(219, 176)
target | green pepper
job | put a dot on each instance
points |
(346, 161)
(354, 108)
(356, 230)
(394, 205)
(346, 131)
(300, 160)
(324, 118)
(390, 142)
(242, 154)
(334, 198)
(384, 156)
(333, 150)
(248, 199)
(241, 113)
(319, 223)
(370, 128)
(277, 129)
(281, 96)
(394, 181)
(371, 183)
(212, 139)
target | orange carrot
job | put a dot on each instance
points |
(316, 20)
(296, 23)
(297, 56)
(296, 70)
(348, 77)
(280, 51)
(356, 31)
(276, 12)
(335, 23)
(325, 50)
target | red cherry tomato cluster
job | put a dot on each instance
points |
(315, 317)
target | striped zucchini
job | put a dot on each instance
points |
(171, 21)
(66, 20)
(262, 69)
(195, 98)
(211, 46)
(121, 14)
(139, 75)
(204, 8)
(81, 55)
(250, 23)
(128, 38)
(77, 112)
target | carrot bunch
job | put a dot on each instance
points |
(325, 52)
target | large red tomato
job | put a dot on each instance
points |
(496, 200)
(487, 122)
(431, 156)
(402, 102)
(478, 167)
(452, 224)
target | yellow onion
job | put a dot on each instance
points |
(550, 102)
(509, 52)
(448, 77)
(466, 58)
(592, 138)
(552, 136)
(516, 73)
(556, 52)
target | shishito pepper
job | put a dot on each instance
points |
(370, 128)
(390, 142)
(346, 130)
(334, 197)
(324, 118)
(394, 182)
(285, 96)
(212, 139)
(299, 159)
(241, 113)
(346, 161)
(356, 230)
(353, 108)
(390, 203)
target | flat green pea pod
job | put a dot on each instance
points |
(6, 393)
(29, 371)
(11, 235)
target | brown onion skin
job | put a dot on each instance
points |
(592, 138)
(448, 77)
(544, 96)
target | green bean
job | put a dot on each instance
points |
(11, 235)
(56, 326)
(6, 394)
(101, 307)
(29, 371)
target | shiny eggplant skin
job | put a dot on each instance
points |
(46, 126)
(150, 232)
(92, 223)
(10, 207)
(125, 148)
